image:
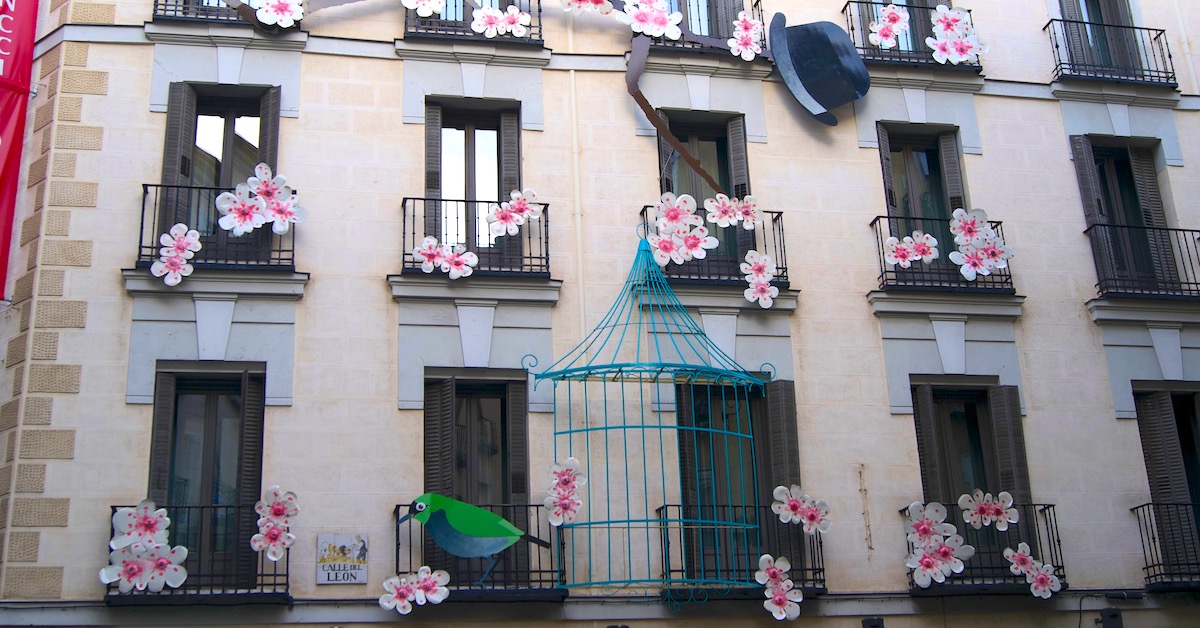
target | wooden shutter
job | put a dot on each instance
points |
(517, 399)
(1088, 177)
(929, 444)
(782, 434)
(1162, 250)
(885, 161)
(161, 439)
(268, 130)
(174, 204)
(433, 170)
(739, 183)
(1079, 50)
(510, 179)
(952, 174)
(250, 473)
(1008, 434)
(1122, 42)
(666, 155)
(1167, 473)
(439, 457)
(689, 480)
(725, 13)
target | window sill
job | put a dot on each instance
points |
(243, 282)
(214, 33)
(953, 303)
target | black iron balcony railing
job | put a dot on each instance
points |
(221, 566)
(701, 546)
(208, 10)
(1111, 53)
(711, 18)
(988, 571)
(723, 264)
(1171, 545)
(525, 571)
(455, 21)
(1146, 261)
(910, 45)
(457, 221)
(941, 273)
(164, 206)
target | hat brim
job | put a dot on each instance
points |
(787, 70)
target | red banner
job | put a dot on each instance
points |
(18, 22)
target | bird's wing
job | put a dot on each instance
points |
(475, 521)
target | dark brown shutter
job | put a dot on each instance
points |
(952, 174)
(1162, 254)
(433, 170)
(1070, 9)
(739, 184)
(510, 179)
(1122, 42)
(250, 473)
(268, 129)
(1167, 473)
(689, 479)
(439, 458)
(161, 438)
(725, 13)
(929, 444)
(666, 155)
(1089, 179)
(1079, 51)
(517, 399)
(177, 155)
(1008, 432)
(782, 434)
(885, 160)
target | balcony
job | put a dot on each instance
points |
(696, 550)
(723, 264)
(1170, 545)
(941, 274)
(206, 10)
(455, 21)
(987, 572)
(710, 18)
(525, 572)
(1146, 261)
(910, 48)
(165, 205)
(1108, 52)
(455, 221)
(222, 569)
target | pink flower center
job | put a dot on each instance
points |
(963, 47)
(793, 504)
(173, 265)
(428, 585)
(949, 23)
(667, 245)
(887, 32)
(1022, 560)
(774, 573)
(150, 524)
(1041, 581)
(762, 289)
(981, 509)
(162, 563)
(278, 509)
(920, 249)
(945, 552)
(660, 19)
(997, 510)
(812, 515)
(892, 17)
(903, 253)
(923, 528)
(928, 562)
(131, 569)
(779, 599)
(281, 7)
(273, 535)
(244, 211)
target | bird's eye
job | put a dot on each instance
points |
(420, 507)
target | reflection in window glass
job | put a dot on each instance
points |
(487, 181)
(454, 184)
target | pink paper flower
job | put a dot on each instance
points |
(783, 601)
(972, 262)
(565, 476)
(178, 241)
(747, 209)
(425, 8)
(488, 21)
(274, 539)
(942, 50)
(789, 504)
(516, 21)
(668, 249)
(1003, 512)
(458, 261)
(772, 571)
(523, 203)
(758, 267)
(277, 507)
(241, 213)
(264, 185)
(430, 254)
(503, 220)
(165, 566)
(883, 35)
(896, 252)
(603, 7)
(676, 214)
(1022, 561)
(129, 567)
(431, 586)
(141, 524)
(696, 241)
(1042, 581)
(977, 508)
(172, 269)
(951, 553)
(897, 16)
(650, 17)
(282, 213)
(923, 246)
(745, 45)
(965, 50)
(745, 23)
(763, 292)
(926, 568)
(722, 210)
(815, 516)
(949, 23)
(285, 13)
(926, 524)
(996, 251)
(562, 507)
(400, 593)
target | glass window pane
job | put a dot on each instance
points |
(187, 453)
(245, 148)
(487, 182)
(489, 488)
(454, 184)
(229, 440)
(210, 143)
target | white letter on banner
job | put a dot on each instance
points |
(3, 28)
(2, 50)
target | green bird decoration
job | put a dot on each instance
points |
(466, 530)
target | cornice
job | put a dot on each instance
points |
(724, 66)
(519, 55)
(474, 289)
(1117, 93)
(207, 281)
(232, 35)
(970, 304)
(1108, 310)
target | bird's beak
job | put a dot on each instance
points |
(412, 510)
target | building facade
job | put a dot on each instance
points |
(326, 361)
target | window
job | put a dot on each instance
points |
(206, 464)
(712, 18)
(216, 134)
(922, 178)
(1098, 33)
(911, 40)
(1170, 433)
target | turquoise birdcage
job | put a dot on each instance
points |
(659, 416)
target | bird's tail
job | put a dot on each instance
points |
(535, 540)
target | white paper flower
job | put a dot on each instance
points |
(758, 267)
(562, 507)
(431, 586)
(789, 503)
(748, 211)
(430, 253)
(942, 51)
(897, 252)
(949, 23)
(996, 251)
(165, 566)
(722, 210)
(516, 21)
(951, 552)
(274, 539)
(651, 18)
(144, 523)
(763, 292)
(1022, 561)
(265, 185)
(282, 213)
(1042, 581)
(926, 524)
(926, 568)
(745, 23)
(696, 241)
(923, 246)
(745, 45)
(772, 571)
(977, 508)
(673, 214)
(240, 213)
(401, 591)
(425, 8)
(883, 35)
(523, 203)
(129, 567)
(668, 249)
(965, 50)
(1003, 511)
(489, 21)
(171, 269)
(578, 7)
(972, 262)
(285, 13)
(179, 241)
(503, 220)
(277, 507)
(896, 16)
(783, 601)
(457, 261)
(565, 476)
(816, 516)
